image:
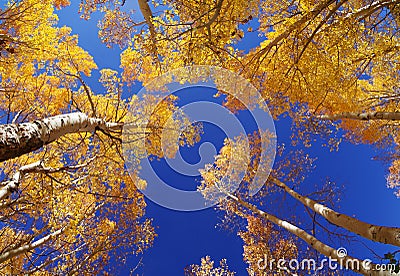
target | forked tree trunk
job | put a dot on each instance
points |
(11, 185)
(382, 234)
(348, 262)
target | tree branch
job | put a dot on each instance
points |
(365, 116)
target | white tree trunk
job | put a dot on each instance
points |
(382, 234)
(18, 139)
(366, 116)
(148, 17)
(12, 185)
(370, 8)
(326, 250)
(9, 186)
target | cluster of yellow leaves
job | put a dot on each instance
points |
(187, 33)
(155, 126)
(242, 166)
(225, 175)
(116, 27)
(12, 267)
(263, 242)
(207, 268)
(61, 3)
(36, 76)
(87, 7)
(393, 178)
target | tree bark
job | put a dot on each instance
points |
(382, 234)
(148, 17)
(19, 139)
(366, 116)
(12, 185)
(370, 269)
(370, 8)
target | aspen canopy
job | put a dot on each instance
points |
(68, 206)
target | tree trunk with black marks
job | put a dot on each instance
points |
(19, 139)
(360, 266)
(382, 234)
(366, 116)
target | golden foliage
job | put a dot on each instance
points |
(207, 268)
(331, 57)
(263, 242)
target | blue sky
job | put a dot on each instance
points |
(185, 237)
